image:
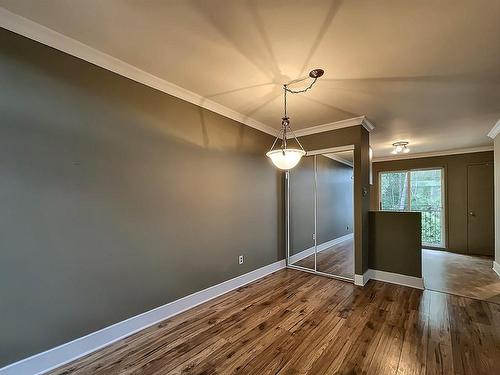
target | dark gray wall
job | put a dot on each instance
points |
(395, 242)
(455, 167)
(335, 199)
(117, 198)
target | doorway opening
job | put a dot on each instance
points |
(320, 214)
(466, 271)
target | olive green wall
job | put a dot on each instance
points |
(455, 189)
(117, 198)
(335, 202)
(359, 137)
(395, 242)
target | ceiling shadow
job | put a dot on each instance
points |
(337, 109)
(330, 15)
(239, 89)
(254, 11)
(269, 98)
(267, 63)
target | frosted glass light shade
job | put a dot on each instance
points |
(286, 159)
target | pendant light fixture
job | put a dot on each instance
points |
(285, 157)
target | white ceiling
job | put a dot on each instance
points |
(423, 71)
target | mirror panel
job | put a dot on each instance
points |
(335, 214)
(302, 206)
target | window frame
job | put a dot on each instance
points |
(444, 235)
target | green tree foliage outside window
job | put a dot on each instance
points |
(418, 190)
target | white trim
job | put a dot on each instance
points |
(435, 153)
(301, 255)
(361, 120)
(321, 247)
(326, 245)
(65, 353)
(52, 38)
(330, 150)
(389, 277)
(361, 280)
(496, 268)
(339, 159)
(367, 124)
(495, 130)
(396, 278)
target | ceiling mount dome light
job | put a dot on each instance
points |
(400, 147)
(286, 158)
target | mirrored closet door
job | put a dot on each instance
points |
(321, 214)
(302, 244)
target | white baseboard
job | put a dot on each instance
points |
(299, 256)
(65, 353)
(321, 247)
(389, 277)
(361, 280)
(496, 268)
(326, 245)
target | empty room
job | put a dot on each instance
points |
(249, 187)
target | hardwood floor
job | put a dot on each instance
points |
(293, 322)
(337, 260)
(463, 275)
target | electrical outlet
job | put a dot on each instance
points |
(241, 259)
(347, 227)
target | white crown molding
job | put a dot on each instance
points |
(367, 124)
(330, 150)
(54, 39)
(340, 160)
(65, 353)
(361, 120)
(435, 153)
(495, 130)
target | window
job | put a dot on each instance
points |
(417, 190)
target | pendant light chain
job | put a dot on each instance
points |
(284, 121)
(285, 88)
(288, 158)
(300, 91)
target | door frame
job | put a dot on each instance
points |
(468, 217)
(287, 216)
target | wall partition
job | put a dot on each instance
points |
(320, 215)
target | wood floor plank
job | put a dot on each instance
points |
(439, 348)
(298, 323)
